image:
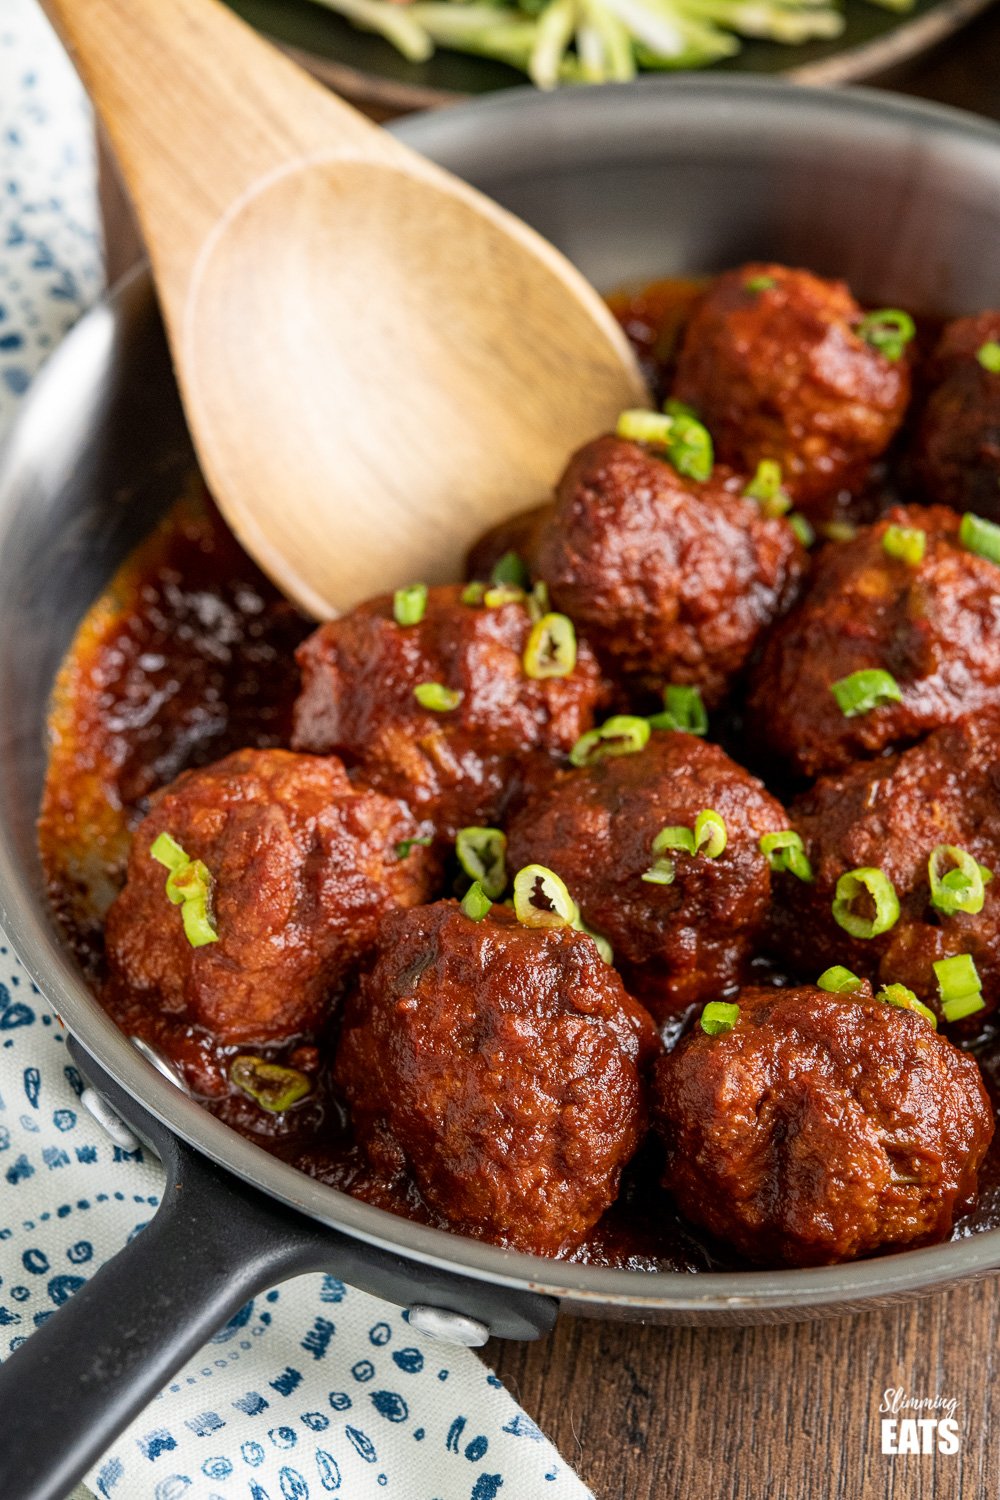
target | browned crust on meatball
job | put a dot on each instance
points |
(456, 767)
(670, 580)
(957, 442)
(500, 1065)
(821, 1128)
(303, 865)
(933, 627)
(780, 373)
(595, 827)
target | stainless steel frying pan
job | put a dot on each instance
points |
(661, 176)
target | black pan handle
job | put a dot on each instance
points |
(214, 1243)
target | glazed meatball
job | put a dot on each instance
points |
(669, 578)
(821, 1127)
(500, 1066)
(773, 365)
(932, 626)
(891, 815)
(454, 760)
(957, 444)
(517, 534)
(678, 942)
(302, 864)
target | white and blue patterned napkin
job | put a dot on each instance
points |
(313, 1389)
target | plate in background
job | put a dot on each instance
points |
(370, 72)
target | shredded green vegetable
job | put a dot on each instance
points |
(594, 41)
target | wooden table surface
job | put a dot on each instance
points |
(788, 1412)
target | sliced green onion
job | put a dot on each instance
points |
(404, 848)
(889, 331)
(765, 488)
(473, 593)
(883, 896)
(759, 283)
(683, 710)
(710, 835)
(678, 838)
(988, 355)
(802, 528)
(959, 987)
(511, 568)
(542, 900)
(273, 1086)
(551, 648)
(475, 903)
(660, 872)
(438, 698)
(689, 447)
(409, 604)
(198, 927)
(537, 602)
(190, 882)
(499, 594)
(904, 999)
(482, 853)
(963, 887)
(839, 531)
(718, 1017)
(621, 735)
(168, 852)
(785, 851)
(980, 536)
(838, 981)
(906, 543)
(862, 691)
(645, 427)
(674, 408)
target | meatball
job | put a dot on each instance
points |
(774, 366)
(957, 444)
(891, 815)
(932, 626)
(302, 864)
(595, 827)
(821, 1127)
(454, 759)
(669, 578)
(500, 1065)
(516, 534)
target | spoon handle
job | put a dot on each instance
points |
(199, 109)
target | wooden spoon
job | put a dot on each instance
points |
(377, 362)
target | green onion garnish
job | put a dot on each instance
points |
(645, 427)
(675, 408)
(475, 903)
(621, 735)
(785, 851)
(889, 331)
(862, 691)
(980, 536)
(542, 900)
(499, 594)
(683, 710)
(482, 853)
(988, 356)
(189, 886)
(803, 530)
(838, 980)
(905, 543)
(839, 531)
(963, 887)
(708, 836)
(718, 1017)
(404, 848)
(408, 604)
(710, 833)
(438, 698)
(959, 986)
(765, 488)
(904, 999)
(551, 648)
(511, 568)
(537, 602)
(759, 284)
(473, 593)
(882, 894)
(273, 1086)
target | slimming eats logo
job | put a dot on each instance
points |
(918, 1424)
